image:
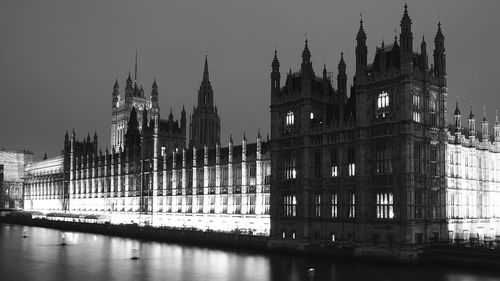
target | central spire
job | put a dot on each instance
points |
(205, 70)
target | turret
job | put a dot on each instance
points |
(128, 88)
(439, 54)
(458, 118)
(361, 51)
(154, 95)
(472, 124)
(496, 128)
(275, 74)
(484, 126)
(116, 94)
(306, 66)
(183, 118)
(342, 79)
(406, 41)
(423, 55)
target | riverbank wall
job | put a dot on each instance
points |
(433, 254)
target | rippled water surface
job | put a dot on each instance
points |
(99, 257)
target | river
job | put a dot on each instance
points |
(40, 257)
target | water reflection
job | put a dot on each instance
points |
(97, 257)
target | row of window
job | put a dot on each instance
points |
(384, 205)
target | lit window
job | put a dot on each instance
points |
(290, 205)
(352, 169)
(385, 205)
(416, 101)
(383, 100)
(334, 206)
(290, 118)
(333, 162)
(312, 115)
(333, 237)
(334, 171)
(284, 234)
(416, 116)
(293, 235)
(317, 205)
(352, 205)
(289, 165)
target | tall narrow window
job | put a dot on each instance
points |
(352, 205)
(419, 208)
(382, 104)
(383, 161)
(334, 163)
(317, 163)
(416, 108)
(289, 165)
(317, 205)
(334, 205)
(433, 161)
(290, 205)
(385, 205)
(290, 118)
(432, 112)
(351, 158)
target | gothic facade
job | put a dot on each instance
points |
(171, 133)
(368, 169)
(473, 179)
(372, 166)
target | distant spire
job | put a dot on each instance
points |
(244, 136)
(484, 113)
(135, 75)
(258, 133)
(116, 84)
(471, 115)
(457, 111)
(155, 86)
(306, 54)
(205, 70)
(496, 116)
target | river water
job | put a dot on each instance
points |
(99, 257)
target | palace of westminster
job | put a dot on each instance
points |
(378, 167)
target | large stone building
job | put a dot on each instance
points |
(11, 190)
(368, 169)
(374, 165)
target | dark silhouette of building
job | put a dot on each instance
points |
(205, 121)
(367, 169)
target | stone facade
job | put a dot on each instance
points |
(13, 161)
(368, 169)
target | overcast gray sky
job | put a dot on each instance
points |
(59, 59)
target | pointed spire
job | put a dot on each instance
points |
(135, 75)
(457, 110)
(496, 116)
(306, 54)
(244, 136)
(205, 70)
(471, 115)
(342, 65)
(116, 84)
(155, 86)
(484, 113)
(129, 79)
(258, 133)
(275, 64)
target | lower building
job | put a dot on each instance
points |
(11, 191)
(222, 189)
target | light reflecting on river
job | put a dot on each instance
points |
(99, 257)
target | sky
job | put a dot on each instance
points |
(59, 59)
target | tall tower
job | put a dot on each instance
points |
(361, 52)
(406, 42)
(205, 121)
